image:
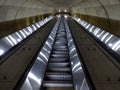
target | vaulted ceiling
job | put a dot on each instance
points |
(10, 9)
(62, 3)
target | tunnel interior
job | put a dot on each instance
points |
(15, 14)
(92, 26)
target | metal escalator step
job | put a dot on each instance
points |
(63, 38)
(59, 52)
(60, 42)
(57, 88)
(61, 31)
(59, 55)
(58, 61)
(59, 39)
(59, 49)
(65, 69)
(57, 84)
(57, 73)
(59, 65)
(62, 46)
(58, 77)
(61, 35)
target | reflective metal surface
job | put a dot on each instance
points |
(64, 64)
(12, 40)
(58, 73)
(110, 40)
(35, 76)
(79, 79)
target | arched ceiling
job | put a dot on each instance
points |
(62, 3)
(103, 13)
(101, 8)
(10, 9)
(15, 9)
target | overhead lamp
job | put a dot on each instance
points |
(65, 10)
(65, 16)
(59, 10)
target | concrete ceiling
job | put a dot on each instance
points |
(62, 3)
(15, 9)
(99, 8)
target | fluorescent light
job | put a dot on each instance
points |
(65, 16)
(59, 11)
(65, 10)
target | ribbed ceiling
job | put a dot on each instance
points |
(10, 9)
(62, 3)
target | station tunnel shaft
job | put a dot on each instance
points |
(94, 26)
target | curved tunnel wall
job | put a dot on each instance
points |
(102, 13)
(16, 14)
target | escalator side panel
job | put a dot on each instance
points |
(35, 76)
(79, 78)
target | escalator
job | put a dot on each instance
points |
(58, 74)
(57, 66)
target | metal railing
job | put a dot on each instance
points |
(12, 40)
(35, 75)
(110, 41)
(79, 79)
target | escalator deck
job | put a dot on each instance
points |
(58, 74)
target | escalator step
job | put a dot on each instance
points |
(58, 72)
(59, 55)
(57, 77)
(57, 84)
(58, 65)
(59, 69)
